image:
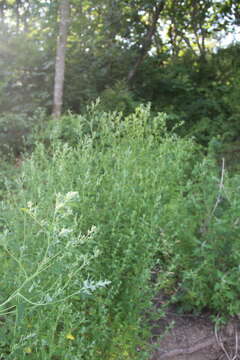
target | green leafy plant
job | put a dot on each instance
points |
(17, 131)
(113, 174)
(89, 222)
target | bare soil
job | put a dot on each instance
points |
(188, 337)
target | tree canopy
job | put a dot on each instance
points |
(164, 51)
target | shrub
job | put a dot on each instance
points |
(107, 233)
(16, 131)
(118, 98)
(90, 222)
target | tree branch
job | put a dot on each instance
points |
(147, 41)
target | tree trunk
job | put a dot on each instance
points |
(60, 58)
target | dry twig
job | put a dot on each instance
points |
(220, 342)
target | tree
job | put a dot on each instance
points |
(147, 40)
(64, 10)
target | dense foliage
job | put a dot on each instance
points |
(170, 53)
(88, 223)
(114, 202)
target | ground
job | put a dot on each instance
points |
(193, 337)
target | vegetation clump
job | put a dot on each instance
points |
(105, 205)
(91, 220)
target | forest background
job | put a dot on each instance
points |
(134, 190)
(168, 53)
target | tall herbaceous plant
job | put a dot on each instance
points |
(93, 216)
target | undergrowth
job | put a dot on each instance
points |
(91, 217)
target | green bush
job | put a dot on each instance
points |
(108, 232)
(17, 131)
(89, 223)
(103, 128)
(205, 95)
(118, 98)
(8, 173)
(201, 230)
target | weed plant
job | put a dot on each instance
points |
(90, 222)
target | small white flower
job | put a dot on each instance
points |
(72, 195)
(65, 232)
(29, 204)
